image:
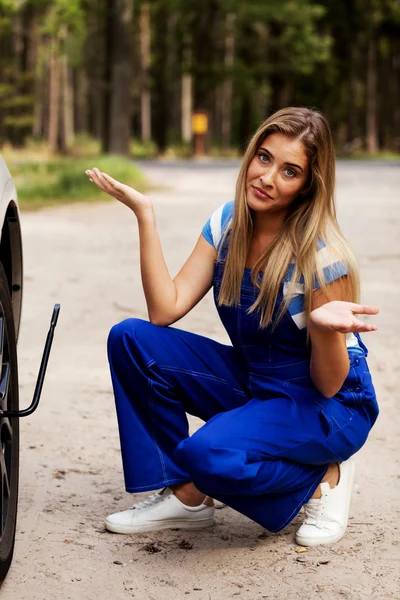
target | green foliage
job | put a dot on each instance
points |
(8, 6)
(5, 90)
(7, 10)
(139, 149)
(19, 121)
(64, 180)
(65, 21)
(18, 102)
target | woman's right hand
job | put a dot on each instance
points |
(140, 204)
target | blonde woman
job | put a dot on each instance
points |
(291, 400)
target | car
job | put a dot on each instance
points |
(11, 287)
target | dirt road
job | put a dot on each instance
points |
(86, 258)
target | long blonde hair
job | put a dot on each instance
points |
(311, 219)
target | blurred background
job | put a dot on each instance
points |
(183, 78)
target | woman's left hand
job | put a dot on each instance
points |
(341, 316)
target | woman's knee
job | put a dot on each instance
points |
(215, 464)
(190, 453)
(201, 458)
(128, 328)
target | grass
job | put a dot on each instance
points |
(382, 155)
(44, 181)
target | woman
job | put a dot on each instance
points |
(291, 400)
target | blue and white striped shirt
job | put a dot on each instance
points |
(333, 269)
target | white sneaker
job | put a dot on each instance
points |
(160, 511)
(327, 517)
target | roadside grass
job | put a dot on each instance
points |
(43, 181)
(382, 155)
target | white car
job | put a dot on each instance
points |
(11, 284)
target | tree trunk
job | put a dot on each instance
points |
(187, 107)
(54, 112)
(18, 43)
(145, 97)
(121, 77)
(91, 76)
(245, 119)
(30, 38)
(261, 97)
(186, 92)
(68, 106)
(81, 101)
(39, 85)
(286, 93)
(46, 100)
(395, 95)
(103, 107)
(207, 33)
(371, 101)
(352, 111)
(160, 78)
(217, 113)
(174, 72)
(38, 108)
(227, 85)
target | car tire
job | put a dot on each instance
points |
(9, 429)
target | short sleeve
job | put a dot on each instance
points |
(207, 233)
(332, 268)
(215, 227)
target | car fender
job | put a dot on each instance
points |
(11, 255)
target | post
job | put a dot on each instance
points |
(200, 130)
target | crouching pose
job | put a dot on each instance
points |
(291, 400)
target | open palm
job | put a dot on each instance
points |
(341, 316)
(125, 194)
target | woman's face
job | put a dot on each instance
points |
(277, 174)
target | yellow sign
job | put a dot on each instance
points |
(199, 123)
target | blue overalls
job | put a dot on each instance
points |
(269, 433)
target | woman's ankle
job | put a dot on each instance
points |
(331, 476)
(188, 494)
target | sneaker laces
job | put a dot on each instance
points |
(153, 499)
(314, 510)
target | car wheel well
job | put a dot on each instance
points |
(11, 259)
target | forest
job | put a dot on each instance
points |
(121, 70)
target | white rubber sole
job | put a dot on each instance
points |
(309, 542)
(159, 525)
